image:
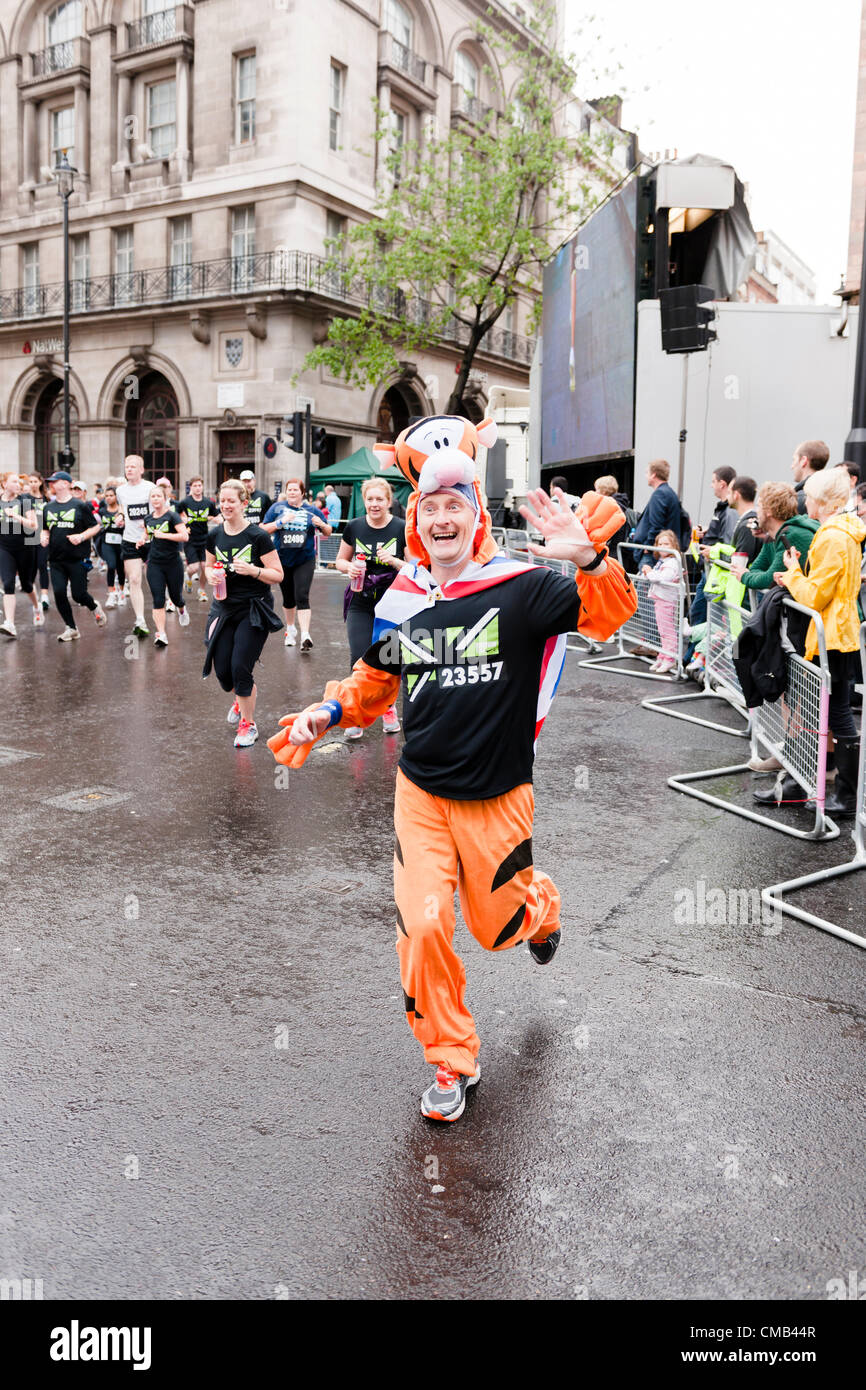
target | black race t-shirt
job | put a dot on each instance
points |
(154, 525)
(196, 514)
(112, 524)
(63, 519)
(469, 714)
(257, 506)
(249, 545)
(368, 543)
(13, 536)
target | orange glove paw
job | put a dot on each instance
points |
(601, 517)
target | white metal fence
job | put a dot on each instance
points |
(641, 629)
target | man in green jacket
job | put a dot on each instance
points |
(779, 520)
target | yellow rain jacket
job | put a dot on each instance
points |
(831, 584)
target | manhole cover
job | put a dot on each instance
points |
(14, 755)
(88, 799)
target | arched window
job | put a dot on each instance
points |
(466, 72)
(151, 428)
(48, 420)
(64, 22)
(398, 21)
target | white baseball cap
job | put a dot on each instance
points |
(247, 473)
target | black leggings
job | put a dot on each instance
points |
(166, 574)
(73, 573)
(16, 563)
(295, 584)
(236, 651)
(359, 630)
(113, 557)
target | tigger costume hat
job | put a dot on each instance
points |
(441, 451)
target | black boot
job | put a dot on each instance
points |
(789, 793)
(843, 799)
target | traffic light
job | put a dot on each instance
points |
(269, 447)
(686, 313)
(320, 437)
(295, 437)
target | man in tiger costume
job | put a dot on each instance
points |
(478, 643)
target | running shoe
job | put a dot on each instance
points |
(38, 617)
(111, 601)
(121, 599)
(45, 605)
(169, 606)
(446, 1098)
(69, 634)
(182, 617)
(234, 714)
(140, 630)
(100, 617)
(160, 640)
(542, 952)
(391, 721)
(353, 732)
(8, 629)
(126, 587)
(187, 584)
(291, 637)
(202, 595)
(246, 735)
(306, 643)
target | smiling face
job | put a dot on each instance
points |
(294, 495)
(231, 506)
(376, 503)
(157, 501)
(445, 527)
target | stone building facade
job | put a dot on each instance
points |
(217, 146)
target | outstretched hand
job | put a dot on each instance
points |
(565, 537)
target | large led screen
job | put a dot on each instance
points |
(589, 338)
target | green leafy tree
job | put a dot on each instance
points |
(467, 219)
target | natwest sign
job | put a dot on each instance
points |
(43, 345)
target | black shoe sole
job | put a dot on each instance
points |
(542, 952)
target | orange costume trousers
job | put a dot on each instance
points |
(483, 851)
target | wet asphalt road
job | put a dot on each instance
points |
(202, 988)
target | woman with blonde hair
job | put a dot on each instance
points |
(371, 550)
(238, 624)
(831, 586)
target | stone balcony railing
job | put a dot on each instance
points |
(471, 108)
(271, 272)
(60, 57)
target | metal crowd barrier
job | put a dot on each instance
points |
(774, 894)
(719, 680)
(641, 628)
(794, 729)
(327, 548)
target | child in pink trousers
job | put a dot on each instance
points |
(664, 590)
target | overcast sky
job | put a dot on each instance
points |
(767, 85)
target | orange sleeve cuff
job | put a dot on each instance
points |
(606, 602)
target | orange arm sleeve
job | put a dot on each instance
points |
(364, 695)
(605, 602)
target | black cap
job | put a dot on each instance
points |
(59, 476)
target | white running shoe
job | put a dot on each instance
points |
(45, 604)
(69, 634)
(8, 629)
(202, 595)
(121, 598)
(182, 617)
(353, 732)
(100, 617)
(187, 584)
(111, 601)
(234, 714)
(126, 587)
(160, 640)
(246, 735)
(306, 642)
(169, 606)
(391, 721)
(38, 617)
(291, 637)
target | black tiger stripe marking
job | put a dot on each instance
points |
(410, 1005)
(519, 858)
(400, 923)
(398, 849)
(511, 927)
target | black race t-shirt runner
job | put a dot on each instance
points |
(368, 543)
(196, 514)
(249, 545)
(257, 505)
(469, 715)
(161, 550)
(112, 524)
(12, 531)
(64, 519)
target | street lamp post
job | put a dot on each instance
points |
(64, 175)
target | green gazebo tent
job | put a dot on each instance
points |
(351, 472)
